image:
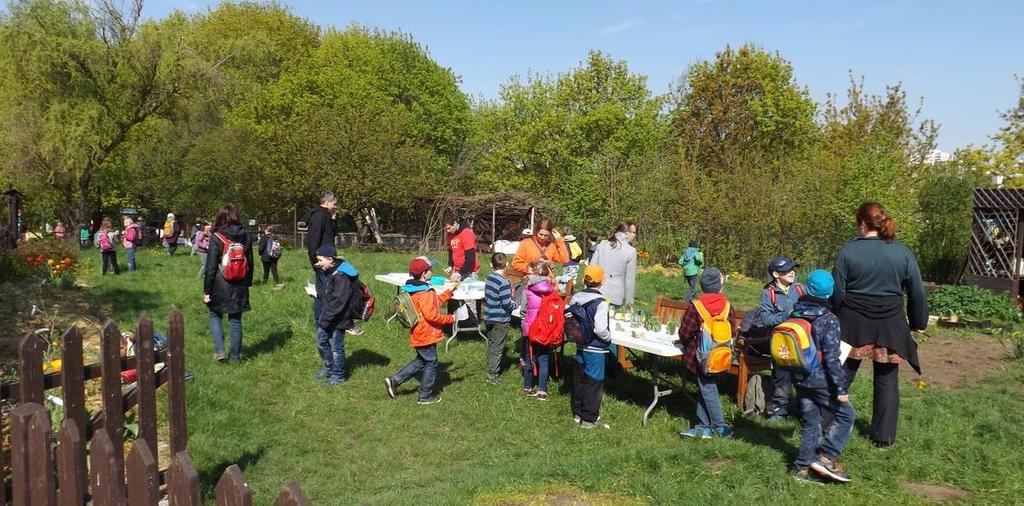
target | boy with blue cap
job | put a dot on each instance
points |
(821, 391)
(777, 300)
(335, 318)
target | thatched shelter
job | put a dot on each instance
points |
(508, 213)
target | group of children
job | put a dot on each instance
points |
(826, 414)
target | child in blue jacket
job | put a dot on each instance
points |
(823, 390)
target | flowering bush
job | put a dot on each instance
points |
(53, 261)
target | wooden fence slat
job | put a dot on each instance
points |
(176, 383)
(42, 481)
(20, 417)
(232, 489)
(3, 448)
(113, 414)
(70, 467)
(143, 478)
(291, 495)
(30, 356)
(106, 474)
(182, 482)
(147, 385)
(72, 375)
(31, 460)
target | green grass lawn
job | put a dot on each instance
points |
(485, 444)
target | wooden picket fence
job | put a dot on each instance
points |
(47, 475)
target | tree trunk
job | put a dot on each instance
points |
(371, 220)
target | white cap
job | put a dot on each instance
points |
(170, 216)
(527, 231)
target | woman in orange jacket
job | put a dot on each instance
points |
(545, 244)
(427, 332)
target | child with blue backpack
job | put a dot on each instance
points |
(705, 320)
(590, 309)
(820, 380)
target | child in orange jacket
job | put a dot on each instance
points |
(426, 334)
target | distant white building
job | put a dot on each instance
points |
(937, 156)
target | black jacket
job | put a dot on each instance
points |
(264, 248)
(321, 229)
(227, 297)
(339, 298)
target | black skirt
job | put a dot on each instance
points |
(880, 321)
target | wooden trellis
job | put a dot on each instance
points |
(997, 240)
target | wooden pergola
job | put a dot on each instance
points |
(996, 258)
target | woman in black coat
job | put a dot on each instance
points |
(220, 295)
(879, 298)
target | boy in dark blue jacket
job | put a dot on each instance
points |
(823, 388)
(336, 317)
(777, 300)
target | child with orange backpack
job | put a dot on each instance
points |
(543, 327)
(706, 333)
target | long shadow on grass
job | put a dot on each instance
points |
(275, 339)
(132, 302)
(365, 358)
(759, 434)
(211, 474)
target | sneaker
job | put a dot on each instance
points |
(883, 445)
(219, 357)
(723, 432)
(354, 331)
(804, 475)
(321, 374)
(594, 425)
(576, 419)
(530, 392)
(495, 380)
(391, 387)
(434, 399)
(334, 381)
(828, 468)
(697, 432)
(542, 395)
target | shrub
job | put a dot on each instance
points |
(973, 302)
(54, 261)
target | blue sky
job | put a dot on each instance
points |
(959, 57)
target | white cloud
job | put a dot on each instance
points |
(622, 26)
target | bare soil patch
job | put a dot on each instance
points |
(952, 363)
(935, 493)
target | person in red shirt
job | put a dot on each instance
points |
(462, 257)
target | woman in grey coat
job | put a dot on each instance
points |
(618, 259)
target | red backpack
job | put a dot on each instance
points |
(549, 327)
(233, 264)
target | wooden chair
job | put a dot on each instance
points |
(744, 365)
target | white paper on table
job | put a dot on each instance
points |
(844, 351)
(311, 290)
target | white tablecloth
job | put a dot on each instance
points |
(657, 343)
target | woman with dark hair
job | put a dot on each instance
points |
(618, 259)
(546, 244)
(872, 275)
(220, 294)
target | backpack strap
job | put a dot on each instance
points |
(772, 296)
(701, 310)
(799, 289)
(224, 239)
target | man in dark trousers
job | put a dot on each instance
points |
(321, 229)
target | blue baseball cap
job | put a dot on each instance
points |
(820, 284)
(781, 264)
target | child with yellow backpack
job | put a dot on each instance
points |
(706, 333)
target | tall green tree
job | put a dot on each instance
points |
(75, 83)
(746, 131)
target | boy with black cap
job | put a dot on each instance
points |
(710, 419)
(335, 318)
(822, 390)
(777, 300)
(427, 332)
